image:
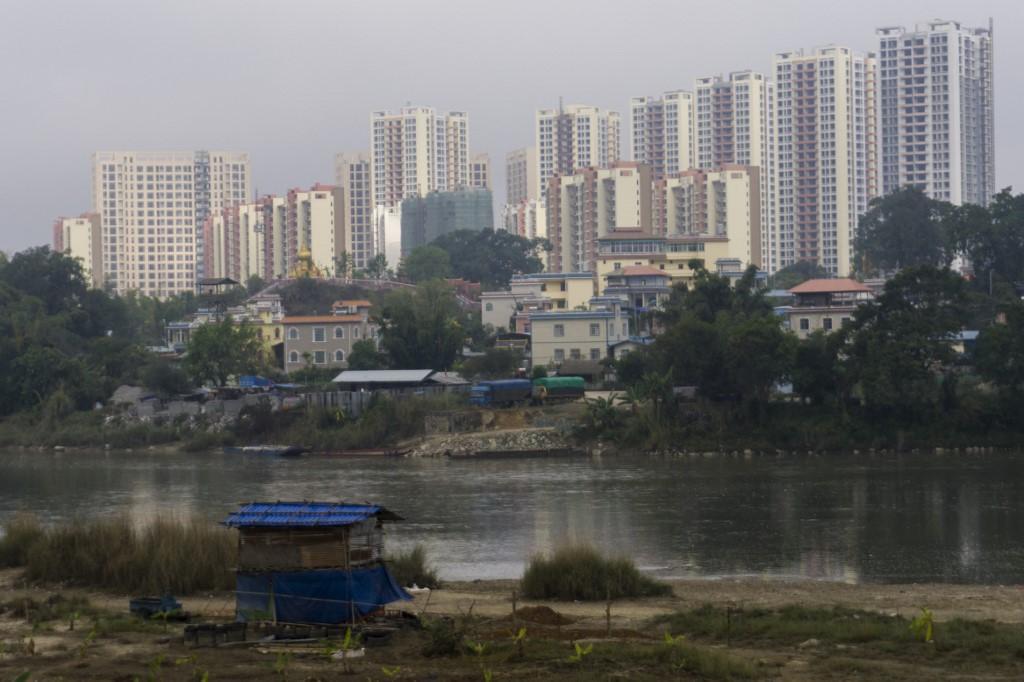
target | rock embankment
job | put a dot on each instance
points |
(510, 442)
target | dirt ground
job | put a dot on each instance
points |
(53, 651)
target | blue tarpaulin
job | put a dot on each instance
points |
(323, 596)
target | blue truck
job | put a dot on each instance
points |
(501, 393)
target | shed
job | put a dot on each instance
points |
(312, 562)
(383, 378)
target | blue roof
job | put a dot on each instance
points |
(305, 514)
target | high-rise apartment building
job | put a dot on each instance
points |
(152, 207)
(80, 238)
(663, 132)
(416, 151)
(735, 124)
(591, 204)
(826, 163)
(574, 137)
(480, 171)
(936, 108)
(247, 240)
(353, 173)
(721, 203)
(424, 219)
(316, 221)
(521, 182)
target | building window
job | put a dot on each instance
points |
(339, 332)
(559, 330)
(488, 307)
(293, 334)
(595, 330)
(845, 321)
(293, 356)
(320, 357)
(339, 355)
(575, 354)
(805, 324)
(355, 332)
(277, 333)
(595, 353)
(559, 355)
(827, 323)
(319, 334)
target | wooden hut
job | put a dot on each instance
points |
(312, 562)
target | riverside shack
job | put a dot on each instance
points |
(312, 562)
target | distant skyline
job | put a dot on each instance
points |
(294, 83)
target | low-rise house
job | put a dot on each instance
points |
(559, 335)
(326, 340)
(825, 304)
(565, 290)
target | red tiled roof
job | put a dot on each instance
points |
(345, 303)
(830, 286)
(636, 270)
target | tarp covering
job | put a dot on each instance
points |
(322, 597)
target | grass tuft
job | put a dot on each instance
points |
(20, 533)
(581, 572)
(412, 568)
(173, 555)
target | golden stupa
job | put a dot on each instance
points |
(305, 267)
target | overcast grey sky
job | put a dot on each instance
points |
(293, 82)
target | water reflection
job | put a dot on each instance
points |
(840, 518)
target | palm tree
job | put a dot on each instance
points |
(342, 265)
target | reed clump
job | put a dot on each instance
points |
(581, 572)
(20, 533)
(412, 568)
(169, 555)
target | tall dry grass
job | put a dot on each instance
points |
(582, 572)
(20, 533)
(177, 555)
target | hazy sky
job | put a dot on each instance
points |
(294, 82)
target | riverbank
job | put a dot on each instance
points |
(785, 630)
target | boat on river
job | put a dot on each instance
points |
(266, 450)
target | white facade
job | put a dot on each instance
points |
(825, 154)
(353, 173)
(80, 238)
(573, 137)
(152, 207)
(415, 151)
(480, 171)
(735, 124)
(663, 132)
(936, 110)
(521, 182)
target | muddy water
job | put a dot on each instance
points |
(856, 519)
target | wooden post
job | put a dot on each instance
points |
(515, 618)
(608, 612)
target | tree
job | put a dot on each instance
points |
(495, 363)
(343, 265)
(52, 277)
(898, 349)
(903, 229)
(797, 273)
(815, 376)
(491, 257)
(992, 240)
(378, 267)
(220, 350)
(365, 355)
(254, 285)
(999, 355)
(421, 330)
(425, 263)
(165, 378)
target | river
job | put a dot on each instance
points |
(910, 518)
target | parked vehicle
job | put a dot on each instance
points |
(505, 392)
(557, 389)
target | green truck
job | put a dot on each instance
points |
(557, 389)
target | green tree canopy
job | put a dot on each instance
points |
(903, 229)
(797, 273)
(220, 350)
(365, 356)
(421, 330)
(992, 240)
(425, 263)
(491, 257)
(1000, 352)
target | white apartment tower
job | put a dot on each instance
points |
(416, 151)
(735, 124)
(353, 173)
(573, 137)
(480, 171)
(80, 238)
(826, 154)
(152, 207)
(936, 109)
(663, 132)
(521, 182)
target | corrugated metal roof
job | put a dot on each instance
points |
(382, 376)
(305, 514)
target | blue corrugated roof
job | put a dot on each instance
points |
(307, 514)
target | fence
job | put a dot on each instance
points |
(354, 402)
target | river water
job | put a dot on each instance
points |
(849, 518)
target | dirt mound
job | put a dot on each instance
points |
(543, 615)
